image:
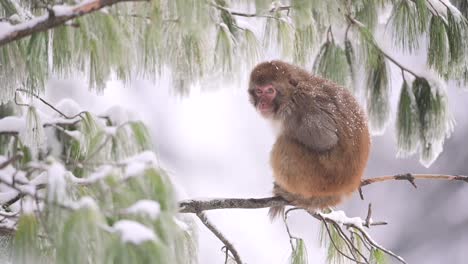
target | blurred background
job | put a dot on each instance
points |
(213, 144)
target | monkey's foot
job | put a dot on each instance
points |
(311, 204)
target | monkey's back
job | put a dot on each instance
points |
(300, 170)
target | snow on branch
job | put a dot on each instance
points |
(55, 17)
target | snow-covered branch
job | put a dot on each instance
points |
(55, 17)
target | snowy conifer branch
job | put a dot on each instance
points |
(55, 19)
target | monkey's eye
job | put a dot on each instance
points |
(270, 90)
(258, 91)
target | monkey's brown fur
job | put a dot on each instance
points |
(323, 145)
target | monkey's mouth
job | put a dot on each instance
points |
(265, 110)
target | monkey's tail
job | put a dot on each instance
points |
(276, 211)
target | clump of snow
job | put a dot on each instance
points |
(62, 10)
(86, 202)
(10, 174)
(134, 232)
(119, 115)
(28, 205)
(33, 136)
(134, 169)
(42, 178)
(181, 224)
(57, 184)
(7, 29)
(144, 157)
(138, 163)
(341, 218)
(110, 130)
(7, 196)
(69, 107)
(100, 173)
(149, 208)
(75, 134)
(12, 124)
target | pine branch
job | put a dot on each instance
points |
(52, 19)
(242, 14)
(386, 55)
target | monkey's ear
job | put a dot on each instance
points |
(292, 80)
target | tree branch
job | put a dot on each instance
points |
(194, 206)
(220, 236)
(46, 22)
(411, 177)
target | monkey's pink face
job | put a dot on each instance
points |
(265, 100)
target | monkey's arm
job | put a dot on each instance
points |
(314, 126)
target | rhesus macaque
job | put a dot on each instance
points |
(323, 142)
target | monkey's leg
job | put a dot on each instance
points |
(309, 203)
(308, 173)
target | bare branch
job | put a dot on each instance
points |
(11, 160)
(46, 22)
(194, 206)
(242, 14)
(220, 236)
(48, 104)
(411, 177)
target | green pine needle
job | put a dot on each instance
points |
(331, 63)
(407, 122)
(377, 257)
(405, 23)
(378, 93)
(224, 49)
(436, 123)
(351, 59)
(299, 254)
(438, 49)
(457, 28)
(367, 13)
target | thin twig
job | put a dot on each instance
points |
(220, 236)
(291, 237)
(333, 242)
(374, 244)
(242, 14)
(411, 177)
(11, 160)
(351, 247)
(48, 104)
